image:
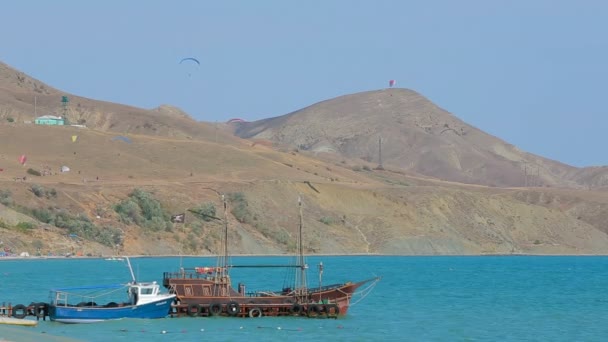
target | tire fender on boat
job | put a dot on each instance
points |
(314, 310)
(255, 312)
(192, 310)
(296, 309)
(215, 309)
(335, 307)
(233, 308)
(19, 311)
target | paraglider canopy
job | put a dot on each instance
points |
(190, 59)
(391, 83)
(236, 120)
(22, 159)
(74, 138)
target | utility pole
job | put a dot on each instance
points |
(380, 167)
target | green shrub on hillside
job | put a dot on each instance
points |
(80, 225)
(326, 220)
(142, 209)
(37, 190)
(110, 236)
(129, 212)
(33, 172)
(205, 211)
(6, 197)
(24, 226)
(41, 191)
(239, 207)
(44, 215)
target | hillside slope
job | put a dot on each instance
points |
(415, 135)
(345, 211)
(324, 154)
(22, 98)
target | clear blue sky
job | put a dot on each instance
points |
(531, 72)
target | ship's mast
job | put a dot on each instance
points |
(223, 259)
(302, 287)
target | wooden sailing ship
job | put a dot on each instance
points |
(208, 291)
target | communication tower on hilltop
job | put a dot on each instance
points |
(65, 104)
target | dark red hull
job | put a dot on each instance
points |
(209, 295)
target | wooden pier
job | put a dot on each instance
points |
(20, 311)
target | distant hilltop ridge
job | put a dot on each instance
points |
(403, 128)
(411, 133)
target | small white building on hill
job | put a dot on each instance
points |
(50, 120)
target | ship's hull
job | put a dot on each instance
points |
(92, 314)
(201, 296)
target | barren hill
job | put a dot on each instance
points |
(131, 163)
(23, 97)
(415, 135)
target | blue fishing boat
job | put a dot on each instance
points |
(144, 300)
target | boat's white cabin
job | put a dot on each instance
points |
(141, 293)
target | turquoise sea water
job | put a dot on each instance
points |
(503, 298)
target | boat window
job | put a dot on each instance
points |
(146, 290)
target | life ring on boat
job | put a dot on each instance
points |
(215, 309)
(255, 312)
(192, 310)
(296, 309)
(19, 311)
(233, 308)
(40, 309)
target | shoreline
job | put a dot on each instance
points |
(141, 256)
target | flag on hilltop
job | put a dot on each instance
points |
(178, 218)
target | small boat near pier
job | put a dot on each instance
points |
(81, 304)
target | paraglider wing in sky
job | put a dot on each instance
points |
(236, 120)
(391, 83)
(190, 59)
(22, 159)
(74, 138)
(189, 62)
